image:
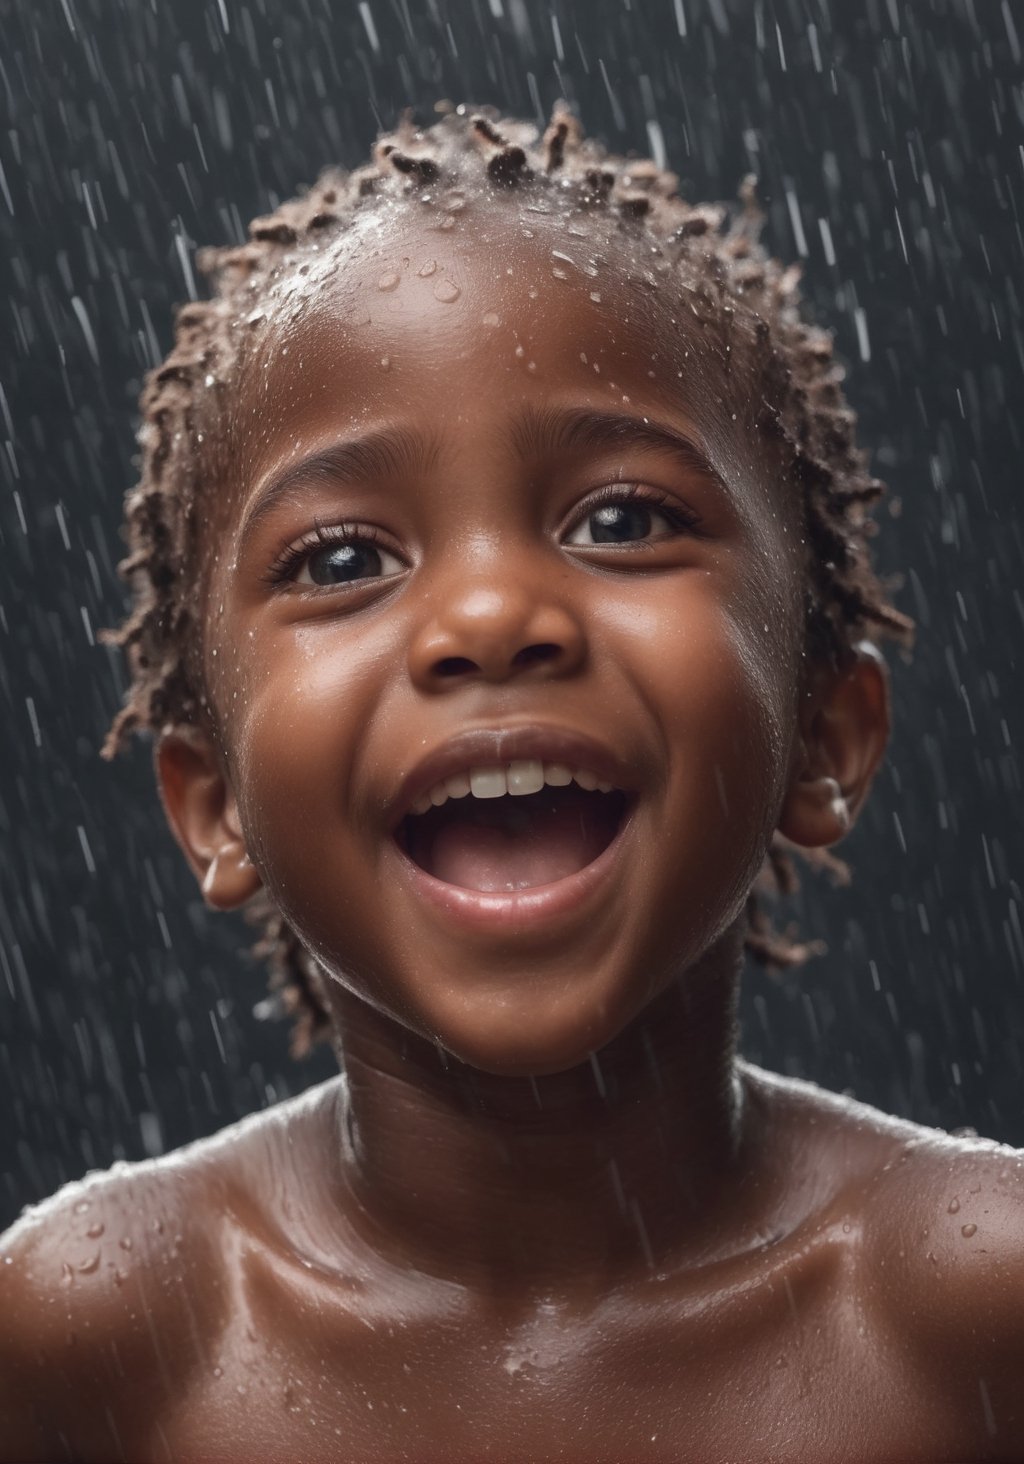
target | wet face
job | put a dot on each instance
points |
(504, 632)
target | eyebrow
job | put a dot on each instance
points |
(537, 433)
(387, 452)
(550, 432)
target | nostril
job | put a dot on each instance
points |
(532, 655)
(454, 666)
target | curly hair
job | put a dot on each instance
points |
(184, 425)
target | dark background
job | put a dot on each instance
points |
(887, 136)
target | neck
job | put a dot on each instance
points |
(617, 1166)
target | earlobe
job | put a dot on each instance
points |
(203, 815)
(844, 728)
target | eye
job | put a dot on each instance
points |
(630, 515)
(341, 554)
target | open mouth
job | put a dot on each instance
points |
(507, 843)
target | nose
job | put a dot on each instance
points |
(495, 632)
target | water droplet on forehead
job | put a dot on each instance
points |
(446, 291)
(389, 281)
(490, 319)
(427, 269)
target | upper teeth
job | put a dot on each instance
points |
(528, 776)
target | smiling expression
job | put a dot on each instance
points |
(489, 508)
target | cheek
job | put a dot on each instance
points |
(723, 688)
(306, 703)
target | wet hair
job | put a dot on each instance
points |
(737, 292)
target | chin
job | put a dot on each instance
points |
(518, 1038)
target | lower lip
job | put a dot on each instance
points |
(520, 911)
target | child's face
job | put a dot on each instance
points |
(480, 385)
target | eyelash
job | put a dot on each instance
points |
(291, 558)
(678, 515)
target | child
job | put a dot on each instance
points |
(503, 604)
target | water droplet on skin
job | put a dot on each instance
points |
(595, 295)
(95, 1230)
(559, 274)
(125, 1242)
(953, 1206)
(385, 363)
(208, 379)
(82, 1206)
(218, 1372)
(90, 1264)
(532, 293)
(389, 281)
(447, 292)
(491, 319)
(531, 365)
(427, 269)
(968, 1230)
(520, 352)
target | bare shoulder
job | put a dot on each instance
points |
(921, 1195)
(935, 1227)
(115, 1289)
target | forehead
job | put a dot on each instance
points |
(446, 321)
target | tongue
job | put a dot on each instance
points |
(534, 849)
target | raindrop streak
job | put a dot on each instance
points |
(371, 30)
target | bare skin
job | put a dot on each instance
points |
(547, 1213)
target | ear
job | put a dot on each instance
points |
(203, 815)
(844, 728)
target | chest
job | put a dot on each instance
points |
(786, 1376)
